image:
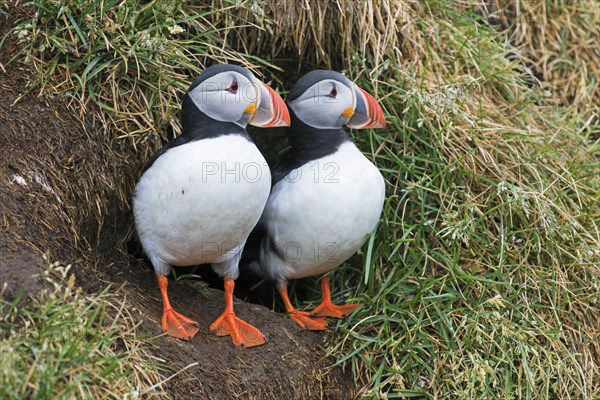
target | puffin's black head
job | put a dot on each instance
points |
(326, 99)
(229, 93)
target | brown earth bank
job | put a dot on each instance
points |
(56, 180)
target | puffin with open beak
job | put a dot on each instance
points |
(327, 197)
(201, 195)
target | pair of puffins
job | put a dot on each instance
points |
(209, 196)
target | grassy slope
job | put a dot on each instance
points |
(483, 279)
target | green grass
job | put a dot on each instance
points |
(67, 345)
(483, 280)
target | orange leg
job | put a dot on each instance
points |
(327, 308)
(173, 323)
(302, 318)
(241, 332)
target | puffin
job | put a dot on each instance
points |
(200, 196)
(327, 197)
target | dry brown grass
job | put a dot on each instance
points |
(556, 44)
(560, 42)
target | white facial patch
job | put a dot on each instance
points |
(225, 97)
(321, 105)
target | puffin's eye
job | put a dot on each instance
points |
(332, 94)
(233, 88)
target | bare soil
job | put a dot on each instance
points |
(55, 197)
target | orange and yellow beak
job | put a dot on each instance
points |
(367, 113)
(271, 111)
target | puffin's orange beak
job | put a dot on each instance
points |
(272, 111)
(367, 113)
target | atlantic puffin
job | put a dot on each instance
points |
(200, 196)
(327, 197)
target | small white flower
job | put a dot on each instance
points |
(502, 187)
(176, 29)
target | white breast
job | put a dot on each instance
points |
(200, 200)
(322, 213)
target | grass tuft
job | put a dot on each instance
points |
(67, 345)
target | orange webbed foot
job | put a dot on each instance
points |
(305, 320)
(241, 332)
(173, 323)
(179, 326)
(327, 308)
(302, 318)
(331, 310)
